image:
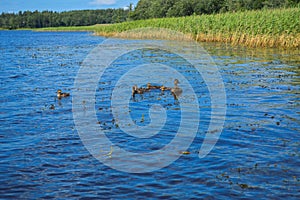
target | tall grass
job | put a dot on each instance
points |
(263, 28)
(72, 28)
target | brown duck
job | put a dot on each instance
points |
(136, 90)
(176, 91)
(150, 87)
(164, 88)
(60, 94)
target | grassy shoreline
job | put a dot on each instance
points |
(278, 28)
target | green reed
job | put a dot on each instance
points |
(262, 28)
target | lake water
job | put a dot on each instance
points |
(42, 156)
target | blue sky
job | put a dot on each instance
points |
(61, 5)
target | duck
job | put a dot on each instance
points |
(176, 91)
(136, 90)
(60, 94)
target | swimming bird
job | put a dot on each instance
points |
(60, 94)
(176, 91)
(136, 90)
(164, 88)
(149, 86)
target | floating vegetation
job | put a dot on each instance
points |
(110, 152)
(185, 152)
(243, 186)
(143, 118)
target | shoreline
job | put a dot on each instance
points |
(251, 41)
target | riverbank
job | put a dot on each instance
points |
(278, 28)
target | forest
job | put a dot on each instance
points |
(145, 9)
(37, 19)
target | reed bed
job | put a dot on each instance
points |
(152, 33)
(264, 28)
(278, 28)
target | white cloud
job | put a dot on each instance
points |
(103, 2)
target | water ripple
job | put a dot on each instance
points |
(43, 157)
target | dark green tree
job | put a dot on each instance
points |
(181, 8)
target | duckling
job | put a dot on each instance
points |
(136, 90)
(164, 88)
(176, 91)
(149, 86)
(133, 90)
(60, 94)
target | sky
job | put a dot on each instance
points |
(61, 5)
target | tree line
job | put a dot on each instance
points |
(144, 9)
(36, 19)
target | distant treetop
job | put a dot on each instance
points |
(36, 19)
(146, 9)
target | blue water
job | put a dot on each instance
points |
(42, 156)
